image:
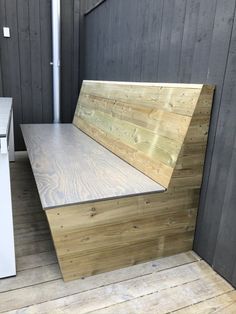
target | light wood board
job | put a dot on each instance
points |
(71, 168)
(143, 123)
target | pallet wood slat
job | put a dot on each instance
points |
(160, 133)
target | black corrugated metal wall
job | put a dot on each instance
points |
(181, 41)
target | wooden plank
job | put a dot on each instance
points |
(122, 282)
(176, 38)
(36, 260)
(151, 33)
(34, 248)
(12, 65)
(204, 57)
(158, 286)
(144, 124)
(96, 172)
(76, 48)
(220, 65)
(22, 63)
(67, 17)
(35, 60)
(165, 43)
(189, 39)
(30, 277)
(225, 303)
(169, 300)
(33, 296)
(203, 41)
(124, 231)
(25, 57)
(225, 257)
(46, 68)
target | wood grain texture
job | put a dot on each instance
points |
(81, 170)
(143, 123)
(101, 236)
(132, 230)
(162, 125)
(39, 288)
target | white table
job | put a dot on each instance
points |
(7, 248)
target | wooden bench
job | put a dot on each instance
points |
(121, 184)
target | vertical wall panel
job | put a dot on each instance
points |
(66, 58)
(72, 52)
(165, 40)
(46, 58)
(25, 59)
(35, 60)
(180, 41)
(211, 207)
(203, 41)
(26, 73)
(151, 34)
(176, 40)
(189, 40)
(13, 66)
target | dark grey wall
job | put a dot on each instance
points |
(72, 12)
(26, 71)
(181, 41)
(25, 59)
(70, 15)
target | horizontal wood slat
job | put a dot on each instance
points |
(144, 123)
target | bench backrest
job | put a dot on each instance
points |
(152, 126)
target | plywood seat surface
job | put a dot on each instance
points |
(71, 168)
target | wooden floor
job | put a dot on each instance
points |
(179, 284)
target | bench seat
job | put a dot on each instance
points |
(99, 179)
(72, 168)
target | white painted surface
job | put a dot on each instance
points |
(7, 248)
(6, 32)
(5, 115)
(11, 144)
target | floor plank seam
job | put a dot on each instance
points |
(19, 256)
(115, 282)
(104, 285)
(215, 296)
(148, 294)
(36, 267)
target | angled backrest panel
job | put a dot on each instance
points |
(143, 123)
